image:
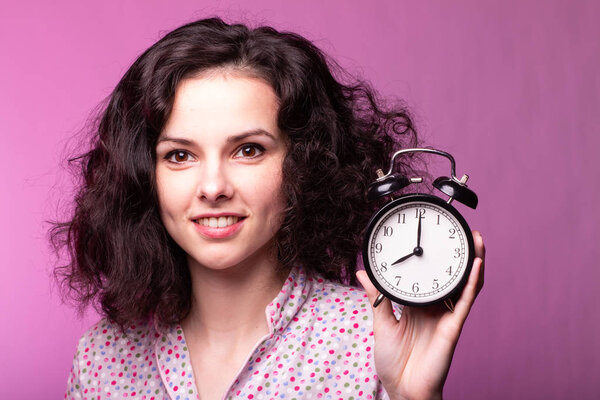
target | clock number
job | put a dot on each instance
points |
(415, 287)
(452, 233)
(401, 218)
(449, 270)
(420, 212)
(457, 252)
(383, 267)
(438, 219)
(387, 231)
(435, 284)
(378, 247)
(398, 278)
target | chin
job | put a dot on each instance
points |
(217, 263)
(227, 260)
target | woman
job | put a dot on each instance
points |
(218, 224)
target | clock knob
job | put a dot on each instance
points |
(387, 186)
(458, 191)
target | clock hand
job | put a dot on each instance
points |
(419, 232)
(403, 258)
(418, 251)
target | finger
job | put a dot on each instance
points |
(472, 288)
(384, 309)
(480, 253)
(479, 246)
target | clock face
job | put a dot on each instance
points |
(419, 250)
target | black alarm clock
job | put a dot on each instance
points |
(418, 249)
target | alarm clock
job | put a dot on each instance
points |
(418, 249)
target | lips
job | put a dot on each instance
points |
(218, 226)
(218, 222)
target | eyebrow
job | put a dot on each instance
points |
(231, 139)
(253, 132)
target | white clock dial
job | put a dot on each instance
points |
(418, 264)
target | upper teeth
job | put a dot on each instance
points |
(218, 222)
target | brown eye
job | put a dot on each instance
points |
(178, 156)
(250, 151)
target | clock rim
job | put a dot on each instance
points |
(428, 198)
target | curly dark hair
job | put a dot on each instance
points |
(121, 257)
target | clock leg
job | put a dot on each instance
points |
(450, 304)
(378, 300)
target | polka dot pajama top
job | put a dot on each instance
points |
(319, 346)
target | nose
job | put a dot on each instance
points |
(214, 184)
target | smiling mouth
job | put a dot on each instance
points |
(218, 222)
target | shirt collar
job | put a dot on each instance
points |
(174, 364)
(172, 352)
(290, 299)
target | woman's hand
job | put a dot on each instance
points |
(413, 355)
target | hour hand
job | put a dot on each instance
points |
(403, 258)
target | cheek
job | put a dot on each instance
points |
(270, 195)
(174, 192)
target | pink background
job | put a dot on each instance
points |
(511, 88)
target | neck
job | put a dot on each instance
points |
(229, 305)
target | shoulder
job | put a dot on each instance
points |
(105, 334)
(340, 312)
(116, 360)
(105, 343)
(334, 333)
(341, 300)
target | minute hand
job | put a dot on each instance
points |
(419, 232)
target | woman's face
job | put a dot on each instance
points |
(218, 170)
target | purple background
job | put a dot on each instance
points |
(511, 88)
